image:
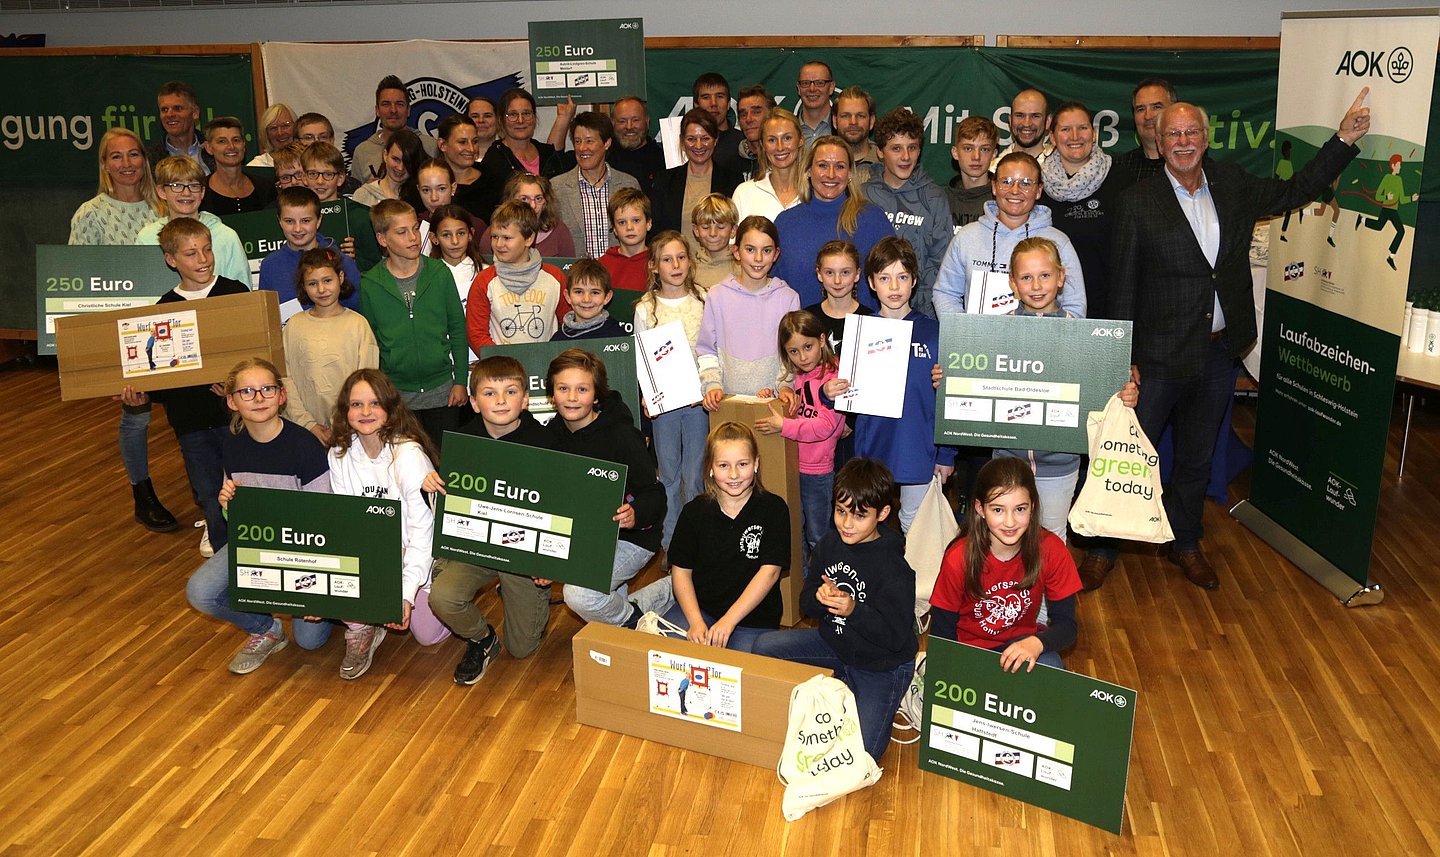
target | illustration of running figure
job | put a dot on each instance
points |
(1327, 198)
(1284, 171)
(1390, 195)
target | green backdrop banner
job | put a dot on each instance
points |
(945, 85)
(58, 108)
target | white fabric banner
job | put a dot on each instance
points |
(441, 77)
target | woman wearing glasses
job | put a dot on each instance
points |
(1080, 194)
(229, 190)
(517, 150)
(677, 190)
(278, 122)
(980, 252)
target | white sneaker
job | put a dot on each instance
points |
(360, 646)
(205, 549)
(256, 650)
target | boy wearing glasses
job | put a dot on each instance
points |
(180, 184)
(299, 210)
(325, 174)
(981, 250)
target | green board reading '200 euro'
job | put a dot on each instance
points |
(307, 553)
(70, 280)
(529, 511)
(1054, 739)
(1020, 382)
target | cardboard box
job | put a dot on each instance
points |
(227, 329)
(612, 691)
(780, 474)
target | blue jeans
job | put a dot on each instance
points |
(817, 503)
(134, 442)
(742, 639)
(613, 607)
(877, 692)
(680, 451)
(201, 453)
(1194, 408)
(208, 590)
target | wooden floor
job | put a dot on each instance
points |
(1271, 720)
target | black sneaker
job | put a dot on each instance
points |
(477, 657)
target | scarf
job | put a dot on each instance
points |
(517, 278)
(1080, 186)
(573, 325)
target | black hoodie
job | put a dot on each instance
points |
(880, 634)
(613, 437)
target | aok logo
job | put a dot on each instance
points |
(618, 346)
(1106, 696)
(1294, 271)
(612, 475)
(1108, 332)
(387, 511)
(1397, 65)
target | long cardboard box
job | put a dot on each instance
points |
(94, 349)
(613, 684)
(780, 474)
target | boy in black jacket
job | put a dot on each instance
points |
(197, 414)
(863, 592)
(499, 394)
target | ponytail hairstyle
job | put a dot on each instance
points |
(455, 212)
(1001, 476)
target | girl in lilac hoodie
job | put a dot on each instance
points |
(805, 351)
(736, 346)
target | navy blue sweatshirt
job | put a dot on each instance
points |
(880, 634)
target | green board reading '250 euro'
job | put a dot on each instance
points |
(1050, 738)
(1021, 382)
(70, 280)
(594, 62)
(313, 554)
(529, 511)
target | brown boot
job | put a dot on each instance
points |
(1197, 569)
(1093, 569)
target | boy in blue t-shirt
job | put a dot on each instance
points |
(299, 211)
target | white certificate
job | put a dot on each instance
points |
(665, 365)
(989, 294)
(875, 359)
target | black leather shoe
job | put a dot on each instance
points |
(150, 512)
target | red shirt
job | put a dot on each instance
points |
(1005, 612)
(626, 272)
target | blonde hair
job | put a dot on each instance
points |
(147, 180)
(855, 200)
(723, 433)
(762, 163)
(647, 302)
(237, 422)
(270, 115)
(1036, 244)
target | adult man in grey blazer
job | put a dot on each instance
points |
(1180, 271)
(583, 194)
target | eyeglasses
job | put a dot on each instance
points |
(1010, 181)
(247, 394)
(186, 187)
(311, 138)
(279, 126)
(323, 175)
(1185, 133)
(813, 84)
(512, 115)
(287, 179)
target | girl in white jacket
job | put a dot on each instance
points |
(386, 454)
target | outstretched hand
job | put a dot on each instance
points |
(1356, 123)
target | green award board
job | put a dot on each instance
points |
(594, 62)
(70, 280)
(1050, 738)
(529, 511)
(617, 353)
(260, 233)
(1020, 382)
(312, 554)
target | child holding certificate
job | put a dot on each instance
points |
(906, 444)
(679, 435)
(736, 348)
(730, 546)
(386, 454)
